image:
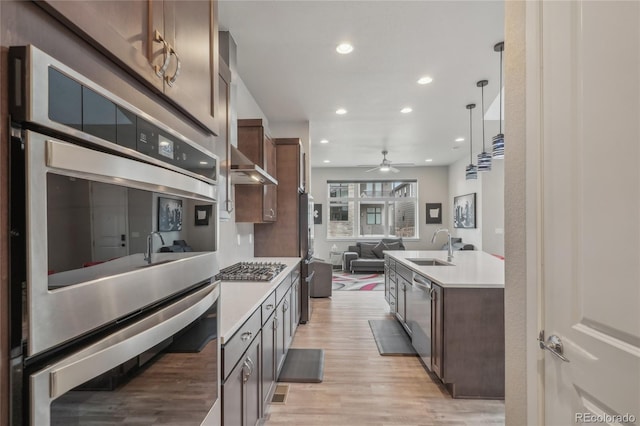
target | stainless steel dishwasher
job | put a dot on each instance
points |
(420, 302)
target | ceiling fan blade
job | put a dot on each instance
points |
(370, 170)
(393, 169)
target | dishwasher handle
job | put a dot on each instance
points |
(421, 282)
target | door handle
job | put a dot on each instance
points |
(553, 345)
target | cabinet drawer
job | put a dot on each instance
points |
(392, 274)
(235, 347)
(268, 307)
(404, 272)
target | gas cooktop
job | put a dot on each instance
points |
(251, 271)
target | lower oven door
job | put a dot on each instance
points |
(173, 387)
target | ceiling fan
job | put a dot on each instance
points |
(386, 166)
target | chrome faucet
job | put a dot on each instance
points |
(433, 240)
(150, 245)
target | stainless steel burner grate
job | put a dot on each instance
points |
(251, 271)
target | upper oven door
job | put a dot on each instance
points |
(72, 285)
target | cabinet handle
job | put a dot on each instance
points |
(245, 375)
(392, 288)
(276, 322)
(392, 303)
(285, 306)
(173, 79)
(167, 54)
(269, 306)
(251, 366)
(273, 213)
(246, 335)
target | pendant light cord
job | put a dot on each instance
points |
(501, 50)
(482, 105)
(470, 137)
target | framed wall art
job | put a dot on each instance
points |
(464, 211)
(434, 212)
(169, 214)
(202, 215)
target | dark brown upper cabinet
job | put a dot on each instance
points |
(171, 46)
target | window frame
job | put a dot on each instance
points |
(403, 193)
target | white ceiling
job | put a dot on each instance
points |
(287, 59)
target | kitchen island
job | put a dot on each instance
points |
(257, 322)
(453, 310)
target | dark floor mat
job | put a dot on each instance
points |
(303, 366)
(391, 338)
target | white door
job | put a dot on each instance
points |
(109, 221)
(591, 209)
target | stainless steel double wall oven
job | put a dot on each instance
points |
(104, 328)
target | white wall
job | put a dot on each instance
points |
(432, 188)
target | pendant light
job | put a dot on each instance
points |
(471, 171)
(484, 158)
(498, 140)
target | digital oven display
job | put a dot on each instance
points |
(165, 147)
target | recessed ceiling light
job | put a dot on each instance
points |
(341, 111)
(406, 110)
(344, 48)
(203, 162)
(324, 141)
(428, 160)
(425, 80)
(460, 140)
(327, 161)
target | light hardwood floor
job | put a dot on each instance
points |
(360, 387)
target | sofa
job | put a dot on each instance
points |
(369, 256)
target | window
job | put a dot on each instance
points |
(372, 209)
(374, 215)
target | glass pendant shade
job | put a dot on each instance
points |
(498, 146)
(471, 172)
(498, 140)
(484, 162)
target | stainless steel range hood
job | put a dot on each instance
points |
(243, 171)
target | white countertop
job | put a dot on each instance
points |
(239, 299)
(470, 268)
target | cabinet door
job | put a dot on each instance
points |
(269, 348)
(296, 300)
(253, 384)
(286, 320)
(233, 395)
(121, 30)
(437, 331)
(270, 191)
(387, 282)
(191, 30)
(401, 299)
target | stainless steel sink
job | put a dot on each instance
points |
(430, 262)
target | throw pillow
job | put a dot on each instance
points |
(393, 246)
(377, 250)
(366, 251)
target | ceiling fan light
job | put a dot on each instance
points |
(384, 168)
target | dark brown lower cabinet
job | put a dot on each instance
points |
(242, 389)
(468, 341)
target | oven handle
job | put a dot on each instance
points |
(86, 163)
(130, 341)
